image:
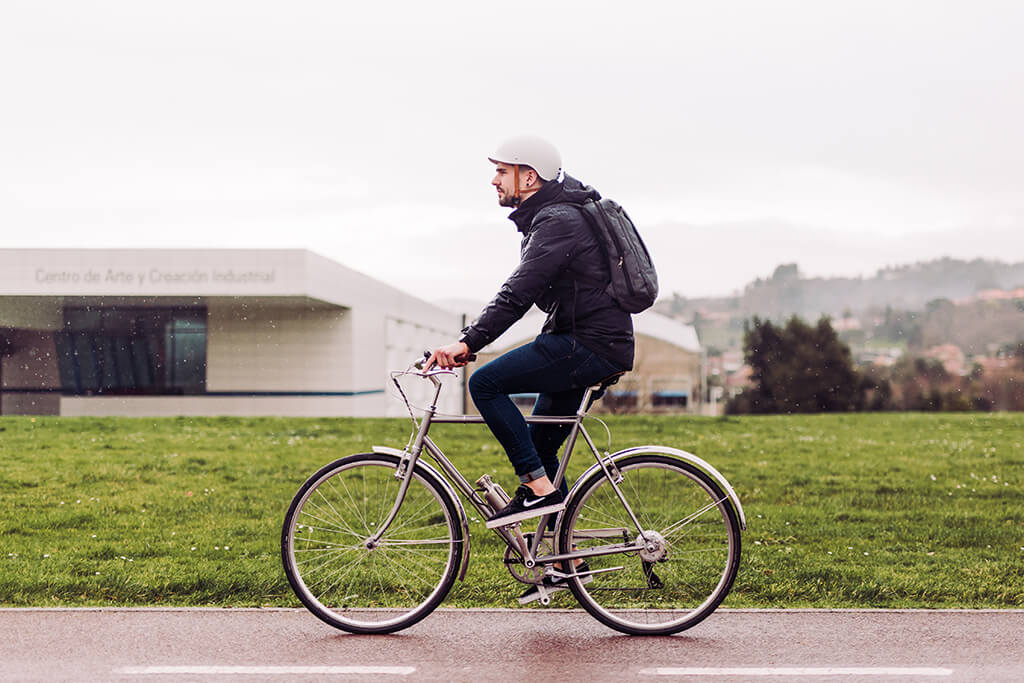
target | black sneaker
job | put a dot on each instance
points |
(553, 584)
(526, 504)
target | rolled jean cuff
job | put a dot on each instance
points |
(530, 476)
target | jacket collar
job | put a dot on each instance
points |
(523, 216)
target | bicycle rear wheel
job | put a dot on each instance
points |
(693, 534)
(381, 589)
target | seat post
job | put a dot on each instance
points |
(585, 403)
(600, 387)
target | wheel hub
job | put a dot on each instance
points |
(652, 546)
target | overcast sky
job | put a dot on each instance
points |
(843, 136)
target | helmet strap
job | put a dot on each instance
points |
(517, 196)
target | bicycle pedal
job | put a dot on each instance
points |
(542, 593)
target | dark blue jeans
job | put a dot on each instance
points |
(559, 369)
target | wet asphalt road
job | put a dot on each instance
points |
(531, 645)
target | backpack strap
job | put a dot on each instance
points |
(596, 280)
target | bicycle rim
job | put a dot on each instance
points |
(697, 539)
(362, 590)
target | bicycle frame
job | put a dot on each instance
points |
(512, 534)
(422, 441)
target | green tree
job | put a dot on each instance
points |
(799, 368)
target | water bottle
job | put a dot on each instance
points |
(493, 493)
(498, 499)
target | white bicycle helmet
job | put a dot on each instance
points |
(529, 150)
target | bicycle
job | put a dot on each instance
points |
(373, 542)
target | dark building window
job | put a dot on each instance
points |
(669, 398)
(621, 400)
(132, 350)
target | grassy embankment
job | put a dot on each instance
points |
(897, 510)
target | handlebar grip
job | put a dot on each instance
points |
(469, 358)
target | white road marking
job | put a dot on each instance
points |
(262, 670)
(798, 671)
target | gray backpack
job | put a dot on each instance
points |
(634, 282)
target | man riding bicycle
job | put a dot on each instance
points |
(373, 542)
(586, 337)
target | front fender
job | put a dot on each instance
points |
(699, 463)
(387, 450)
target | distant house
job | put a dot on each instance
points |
(951, 357)
(737, 381)
(732, 360)
(882, 357)
(993, 295)
(846, 325)
(1000, 294)
(666, 374)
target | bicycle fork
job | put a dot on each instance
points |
(407, 466)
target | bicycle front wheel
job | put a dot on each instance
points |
(690, 554)
(364, 587)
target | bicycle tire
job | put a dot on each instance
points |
(700, 542)
(386, 588)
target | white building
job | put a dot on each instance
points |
(206, 332)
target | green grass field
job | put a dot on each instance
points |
(875, 510)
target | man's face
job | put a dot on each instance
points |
(504, 182)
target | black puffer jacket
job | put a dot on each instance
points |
(562, 270)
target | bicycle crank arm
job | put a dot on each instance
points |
(544, 593)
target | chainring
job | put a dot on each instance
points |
(514, 561)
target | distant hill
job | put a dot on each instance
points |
(907, 287)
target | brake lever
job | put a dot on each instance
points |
(434, 371)
(426, 354)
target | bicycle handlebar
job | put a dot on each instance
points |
(418, 364)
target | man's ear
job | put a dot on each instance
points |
(530, 178)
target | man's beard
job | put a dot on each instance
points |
(507, 200)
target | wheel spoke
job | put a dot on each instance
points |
(409, 541)
(386, 586)
(690, 549)
(672, 528)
